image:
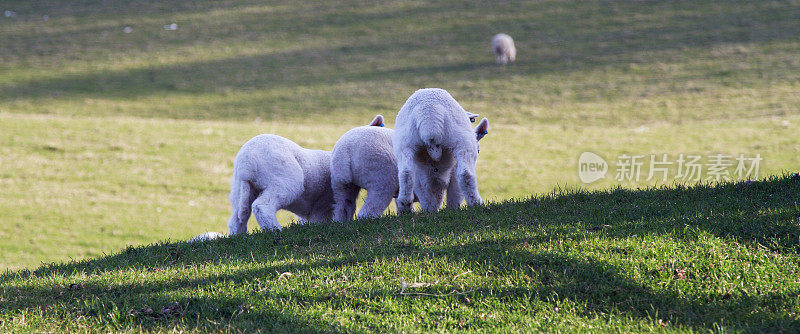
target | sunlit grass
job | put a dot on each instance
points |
(76, 187)
(101, 128)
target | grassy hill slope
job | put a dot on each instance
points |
(670, 259)
(112, 137)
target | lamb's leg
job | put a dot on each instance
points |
(431, 201)
(467, 179)
(235, 226)
(344, 201)
(405, 175)
(264, 208)
(376, 203)
(320, 214)
(241, 197)
(454, 196)
(280, 193)
(430, 192)
(269, 202)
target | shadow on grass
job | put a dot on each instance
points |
(762, 214)
(90, 8)
(600, 287)
(557, 38)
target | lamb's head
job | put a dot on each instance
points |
(481, 130)
(377, 121)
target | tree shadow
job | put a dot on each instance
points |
(558, 37)
(90, 8)
(758, 214)
(599, 287)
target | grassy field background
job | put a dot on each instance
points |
(111, 138)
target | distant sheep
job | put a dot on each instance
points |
(433, 141)
(503, 48)
(271, 173)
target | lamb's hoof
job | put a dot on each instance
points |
(403, 207)
(479, 202)
(271, 228)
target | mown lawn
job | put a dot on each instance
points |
(111, 138)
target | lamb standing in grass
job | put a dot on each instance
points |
(271, 173)
(361, 161)
(363, 158)
(503, 48)
(432, 140)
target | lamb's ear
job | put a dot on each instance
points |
(482, 129)
(377, 121)
(472, 117)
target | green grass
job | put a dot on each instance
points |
(672, 259)
(76, 187)
(592, 63)
(110, 139)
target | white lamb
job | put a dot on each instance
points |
(361, 161)
(271, 173)
(504, 50)
(433, 140)
(363, 158)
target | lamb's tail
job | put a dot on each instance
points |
(431, 131)
(499, 49)
(341, 172)
(246, 198)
